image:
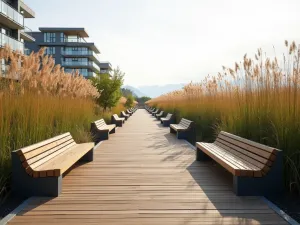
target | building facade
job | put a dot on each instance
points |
(13, 31)
(69, 48)
(105, 67)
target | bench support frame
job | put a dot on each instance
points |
(166, 123)
(100, 135)
(118, 123)
(26, 186)
(268, 185)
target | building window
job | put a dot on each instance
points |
(62, 37)
(49, 37)
(50, 51)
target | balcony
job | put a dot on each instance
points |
(10, 16)
(85, 74)
(27, 11)
(78, 64)
(26, 34)
(14, 44)
(90, 54)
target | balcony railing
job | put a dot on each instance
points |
(12, 43)
(78, 63)
(11, 13)
(85, 74)
(76, 53)
(79, 40)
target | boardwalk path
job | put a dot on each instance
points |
(143, 175)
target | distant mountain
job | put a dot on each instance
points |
(156, 90)
(153, 90)
(135, 91)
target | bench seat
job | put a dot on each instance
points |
(255, 167)
(60, 164)
(37, 169)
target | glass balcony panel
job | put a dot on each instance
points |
(11, 13)
(14, 44)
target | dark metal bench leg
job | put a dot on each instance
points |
(88, 157)
(27, 186)
(181, 135)
(270, 184)
(172, 131)
(113, 131)
(201, 156)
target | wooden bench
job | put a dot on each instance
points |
(37, 169)
(159, 115)
(151, 110)
(124, 115)
(155, 112)
(148, 108)
(183, 129)
(115, 119)
(100, 130)
(257, 169)
(129, 112)
(166, 121)
(134, 109)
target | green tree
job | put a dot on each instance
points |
(130, 101)
(143, 99)
(126, 92)
(110, 88)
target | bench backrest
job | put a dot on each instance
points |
(116, 117)
(257, 154)
(185, 123)
(123, 113)
(100, 123)
(169, 116)
(161, 113)
(36, 155)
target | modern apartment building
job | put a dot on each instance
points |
(105, 67)
(13, 31)
(69, 48)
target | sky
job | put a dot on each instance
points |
(157, 42)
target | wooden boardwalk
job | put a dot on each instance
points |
(143, 175)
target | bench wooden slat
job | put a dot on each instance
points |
(44, 148)
(247, 168)
(249, 142)
(51, 156)
(232, 168)
(42, 143)
(251, 156)
(63, 162)
(260, 152)
(43, 155)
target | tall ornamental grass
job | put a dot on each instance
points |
(38, 101)
(258, 99)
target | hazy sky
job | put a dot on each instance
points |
(172, 41)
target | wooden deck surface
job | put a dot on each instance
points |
(143, 175)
